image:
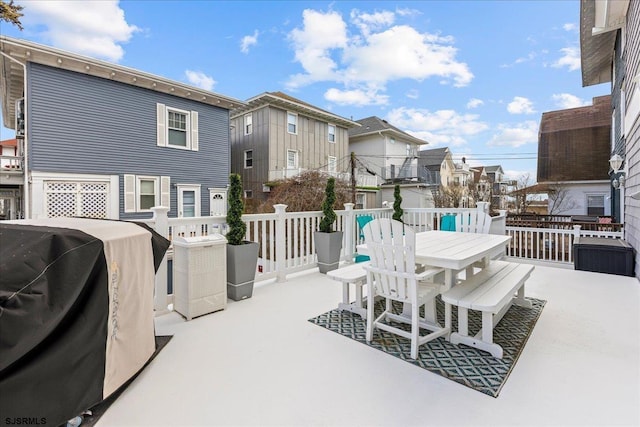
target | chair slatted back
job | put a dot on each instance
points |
(473, 222)
(391, 247)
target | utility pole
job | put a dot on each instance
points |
(353, 177)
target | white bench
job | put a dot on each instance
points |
(491, 291)
(356, 274)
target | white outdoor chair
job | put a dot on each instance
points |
(473, 222)
(391, 274)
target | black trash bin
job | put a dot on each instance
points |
(603, 255)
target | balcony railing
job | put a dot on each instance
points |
(287, 245)
(11, 163)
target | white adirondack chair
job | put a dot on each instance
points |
(391, 274)
(473, 222)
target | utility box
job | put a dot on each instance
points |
(603, 255)
(199, 275)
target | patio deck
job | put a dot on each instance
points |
(260, 362)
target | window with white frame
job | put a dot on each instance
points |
(292, 122)
(248, 124)
(332, 164)
(408, 148)
(392, 140)
(248, 159)
(248, 194)
(142, 192)
(292, 159)
(332, 133)
(177, 128)
(595, 204)
(188, 200)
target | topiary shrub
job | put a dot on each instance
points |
(397, 200)
(329, 216)
(237, 227)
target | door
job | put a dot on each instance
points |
(218, 203)
(188, 201)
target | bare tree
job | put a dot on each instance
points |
(450, 196)
(522, 192)
(11, 13)
(560, 199)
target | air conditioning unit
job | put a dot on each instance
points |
(20, 118)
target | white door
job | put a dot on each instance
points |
(188, 201)
(218, 203)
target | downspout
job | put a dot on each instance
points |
(26, 199)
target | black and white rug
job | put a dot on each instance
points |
(466, 365)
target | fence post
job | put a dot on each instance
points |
(349, 233)
(161, 226)
(576, 232)
(499, 223)
(281, 242)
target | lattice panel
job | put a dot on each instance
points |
(61, 204)
(85, 199)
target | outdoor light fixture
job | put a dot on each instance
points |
(616, 163)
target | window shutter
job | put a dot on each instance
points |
(162, 125)
(165, 187)
(129, 193)
(194, 131)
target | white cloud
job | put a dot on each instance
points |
(413, 94)
(570, 59)
(515, 135)
(355, 97)
(376, 52)
(474, 103)
(570, 27)
(530, 57)
(566, 100)
(248, 41)
(439, 128)
(367, 22)
(93, 28)
(200, 79)
(520, 105)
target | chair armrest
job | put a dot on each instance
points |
(428, 272)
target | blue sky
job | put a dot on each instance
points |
(471, 75)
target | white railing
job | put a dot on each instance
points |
(287, 243)
(549, 244)
(11, 163)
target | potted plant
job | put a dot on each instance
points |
(242, 255)
(397, 200)
(328, 242)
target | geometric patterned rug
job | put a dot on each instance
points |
(466, 365)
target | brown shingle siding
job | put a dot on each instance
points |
(575, 144)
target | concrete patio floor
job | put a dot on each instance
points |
(260, 362)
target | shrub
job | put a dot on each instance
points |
(397, 200)
(329, 216)
(237, 227)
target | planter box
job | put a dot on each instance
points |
(602, 255)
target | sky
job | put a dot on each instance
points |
(474, 76)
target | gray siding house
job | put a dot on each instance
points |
(276, 136)
(100, 140)
(610, 53)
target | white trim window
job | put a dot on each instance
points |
(332, 133)
(332, 164)
(595, 204)
(142, 192)
(292, 159)
(248, 159)
(248, 194)
(248, 124)
(177, 128)
(292, 122)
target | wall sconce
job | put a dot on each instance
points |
(616, 162)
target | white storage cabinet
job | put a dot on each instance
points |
(199, 275)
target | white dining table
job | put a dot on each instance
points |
(454, 251)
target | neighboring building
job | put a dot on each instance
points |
(11, 177)
(574, 146)
(276, 136)
(102, 140)
(438, 165)
(610, 52)
(386, 150)
(499, 186)
(387, 156)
